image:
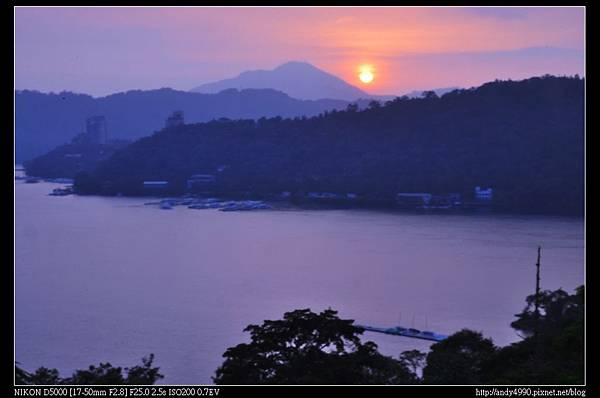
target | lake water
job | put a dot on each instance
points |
(109, 279)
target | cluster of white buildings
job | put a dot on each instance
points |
(483, 194)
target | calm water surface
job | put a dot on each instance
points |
(109, 279)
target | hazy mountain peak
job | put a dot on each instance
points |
(298, 79)
(297, 65)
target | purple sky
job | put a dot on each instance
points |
(105, 50)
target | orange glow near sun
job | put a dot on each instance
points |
(366, 74)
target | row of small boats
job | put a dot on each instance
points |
(211, 203)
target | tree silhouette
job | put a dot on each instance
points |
(308, 348)
(459, 359)
(102, 374)
(413, 359)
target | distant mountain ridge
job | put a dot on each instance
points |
(44, 121)
(297, 79)
(303, 80)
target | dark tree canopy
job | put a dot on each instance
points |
(556, 354)
(102, 374)
(308, 348)
(66, 161)
(413, 359)
(459, 359)
(558, 309)
(41, 376)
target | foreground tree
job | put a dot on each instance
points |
(557, 310)
(41, 376)
(459, 359)
(553, 348)
(414, 360)
(551, 352)
(102, 374)
(21, 376)
(309, 348)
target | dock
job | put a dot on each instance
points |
(405, 332)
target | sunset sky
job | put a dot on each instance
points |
(105, 50)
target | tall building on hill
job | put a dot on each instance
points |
(96, 130)
(176, 119)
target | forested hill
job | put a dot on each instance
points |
(44, 121)
(523, 138)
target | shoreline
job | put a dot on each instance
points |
(294, 202)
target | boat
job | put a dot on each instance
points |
(61, 191)
(165, 205)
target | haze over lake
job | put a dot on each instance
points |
(102, 279)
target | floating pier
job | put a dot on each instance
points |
(406, 332)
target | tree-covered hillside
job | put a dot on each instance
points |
(523, 138)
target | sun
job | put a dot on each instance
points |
(366, 74)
